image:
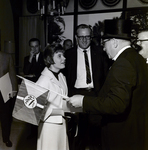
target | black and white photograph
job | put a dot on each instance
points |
(73, 74)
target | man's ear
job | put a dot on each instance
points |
(115, 42)
(76, 38)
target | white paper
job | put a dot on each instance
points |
(5, 86)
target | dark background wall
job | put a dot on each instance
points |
(77, 12)
(6, 22)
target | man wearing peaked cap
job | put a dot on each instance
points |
(122, 101)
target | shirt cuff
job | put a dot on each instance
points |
(82, 97)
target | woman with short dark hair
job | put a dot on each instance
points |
(52, 129)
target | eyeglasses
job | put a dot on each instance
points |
(88, 37)
(138, 41)
(104, 41)
(32, 47)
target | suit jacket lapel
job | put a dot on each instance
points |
(54, 79)
(74, 62)
(93, 63)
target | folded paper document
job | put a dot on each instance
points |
(5, 87)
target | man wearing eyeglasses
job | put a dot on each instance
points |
(142, 41)
(33, 63)
(123, 99)
(85, 73)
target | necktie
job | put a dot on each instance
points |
(88, 76)
(34, 60)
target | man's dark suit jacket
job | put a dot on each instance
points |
(123, 102)
(7, 66)
(36, 69)
(86, 123)
(99, 68)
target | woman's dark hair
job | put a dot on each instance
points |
(49, 53)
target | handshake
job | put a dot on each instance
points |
(76, 100)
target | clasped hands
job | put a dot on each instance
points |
(75, 101)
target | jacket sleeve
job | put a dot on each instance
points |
(12, 74)
(115, 95)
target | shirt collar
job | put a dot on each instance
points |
(87, 49)
(37, 56)
(117, 55)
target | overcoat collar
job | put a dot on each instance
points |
(50, 75)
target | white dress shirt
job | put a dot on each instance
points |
(37, 57)
(81, 70)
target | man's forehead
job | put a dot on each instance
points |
(83, 31)
(34, 43)
(143, 34)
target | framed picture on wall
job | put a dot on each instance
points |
(59, 28)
